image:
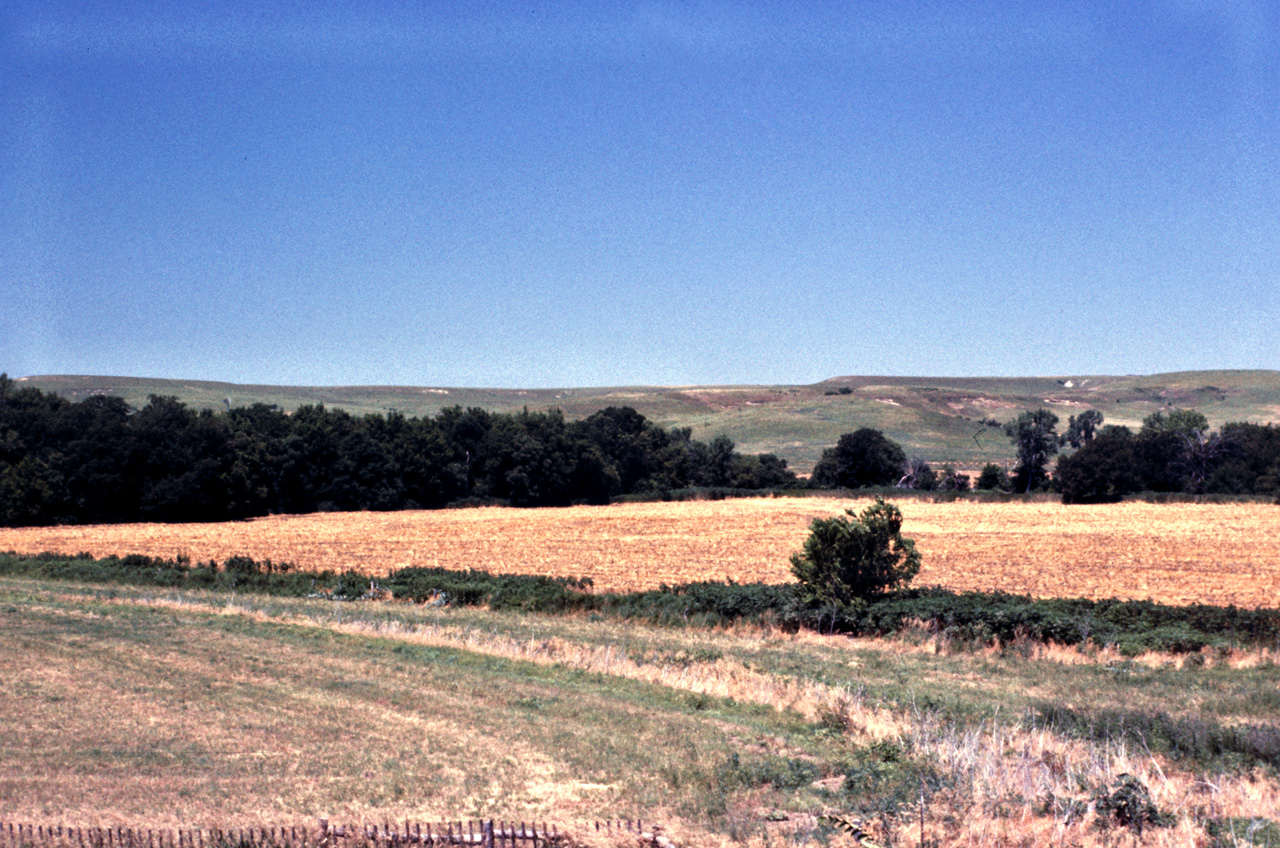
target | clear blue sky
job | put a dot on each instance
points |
(586, 194)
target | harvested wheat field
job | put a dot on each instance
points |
(1172, 553)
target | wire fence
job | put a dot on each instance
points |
(482, 833)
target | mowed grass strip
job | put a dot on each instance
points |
(144, 714)
(755, 665)
(1171, 553)
(166, 707)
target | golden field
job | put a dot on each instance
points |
(1172, 553)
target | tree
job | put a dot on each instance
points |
(1253, 461)
(1201, 453)
(1033, 435)
(993, 477)
(1103, 470)
(1082, 428)
(1178, 453)
(951, 480)
(718, 469)
(916, 474)
(849, 559)
(862, 458)
(1178, 422)
(766, 471)
(633, 446)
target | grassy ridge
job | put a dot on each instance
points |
(936, 418)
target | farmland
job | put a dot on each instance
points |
(170, 707)
(1172, 553)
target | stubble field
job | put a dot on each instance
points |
(1171, 553)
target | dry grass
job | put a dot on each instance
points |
(1172, 553)
(213, 710)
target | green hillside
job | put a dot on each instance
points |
(938, 418)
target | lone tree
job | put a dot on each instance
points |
(863, 458)
(1033, 433)
(850, 559)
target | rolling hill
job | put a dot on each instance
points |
(938, 418)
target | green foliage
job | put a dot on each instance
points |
(848, 559)
(1034, 436)
(950, 480)
(970, 617)
(885, 777)
(1128, 804)
(1179, 422)
(775, 771)
(98, 461)
(992, 478)
(1203, 742)
(1081, 428)
(916, 474)
(860, 459)
(479, 588)
(1253, 464)
(1103, 470)
(95, 462)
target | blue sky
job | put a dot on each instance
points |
(587, 194)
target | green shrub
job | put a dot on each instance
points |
(778, 772)
(849, 558)
(1129, 805)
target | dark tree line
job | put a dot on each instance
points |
(99, 461)
(1172, 453)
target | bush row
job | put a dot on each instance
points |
(975, 617)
